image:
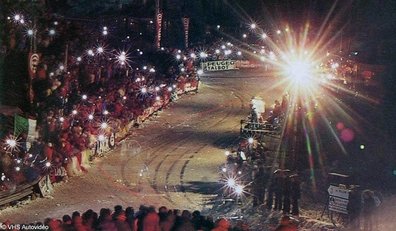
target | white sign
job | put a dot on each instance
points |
(338, 204)
(338, 199)
(338, 192)
(222, 65)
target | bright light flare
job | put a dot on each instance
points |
(231, 182)
(30, 32)
(300, 72)
(51, 32)
(90, 52)
(12, 143)
(101, 137)
(203, 55)
(122, 58)
(100, 50)
(239, 189)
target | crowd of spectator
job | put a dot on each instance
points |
(146, 218)
(79, 98)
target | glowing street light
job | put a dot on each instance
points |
(264, 36)
(200, 72)
(178, 56)
(250, 140)
(79, 59)
(244, 35)
(84, 97)
(74, 112)
(253, 26)
(144, 90)
(278, 31)
(90, 117)
(101, 137)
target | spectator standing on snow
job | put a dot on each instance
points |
(368, 207)
(295, 194)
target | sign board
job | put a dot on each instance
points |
(337, 204)
(338, 199)
(338, 192)
(222, 65)
(242, 64)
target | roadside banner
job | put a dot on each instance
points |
(158, 27)
(247, 64)
(186, 23)
(222, 65)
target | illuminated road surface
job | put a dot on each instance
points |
(171, 160)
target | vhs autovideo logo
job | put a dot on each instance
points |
(4, 226)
